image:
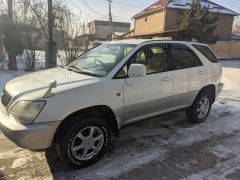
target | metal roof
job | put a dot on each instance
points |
(184, 4)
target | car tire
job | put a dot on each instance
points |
(200, 109)
(83, 142)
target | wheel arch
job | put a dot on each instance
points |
(211, 89)
(95, 111)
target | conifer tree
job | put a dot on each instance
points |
(200, 22)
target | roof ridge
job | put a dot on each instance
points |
(164, 3)
(219, 5)
(159, 5)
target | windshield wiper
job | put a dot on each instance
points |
(62, 66)
(77, 70)
(89, 57)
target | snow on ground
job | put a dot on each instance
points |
(40, 58)
(165, 147)
(231, 79)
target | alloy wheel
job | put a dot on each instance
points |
(87, 143)
(203, 108)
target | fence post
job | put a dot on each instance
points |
(230, 51)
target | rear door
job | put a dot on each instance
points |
(189, 75)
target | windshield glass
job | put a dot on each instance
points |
(101, 60)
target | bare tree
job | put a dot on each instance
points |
(236, 27)
(75, 39)
(30, 19)
(3, 7)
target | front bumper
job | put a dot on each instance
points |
(32, 137)
(219, 89)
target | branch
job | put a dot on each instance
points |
(39, 19)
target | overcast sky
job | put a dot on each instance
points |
(123, 10)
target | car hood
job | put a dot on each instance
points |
(39, 81)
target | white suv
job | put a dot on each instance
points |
(79, 106)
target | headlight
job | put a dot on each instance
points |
(27, 111)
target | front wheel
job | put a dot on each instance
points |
(84, 142)
(200, 109)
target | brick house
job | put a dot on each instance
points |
(163, 16)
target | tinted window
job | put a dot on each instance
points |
(206, 52)
(155, 58)
(183, 57)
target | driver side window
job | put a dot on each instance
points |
(154, 57)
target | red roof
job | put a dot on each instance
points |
(154, 7)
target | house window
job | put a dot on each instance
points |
(146, 19)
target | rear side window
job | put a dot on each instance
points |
(183, 57)
(206, 52)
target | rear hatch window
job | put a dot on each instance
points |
(206, 52)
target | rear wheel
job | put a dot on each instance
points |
(84, 142)
(200, 109)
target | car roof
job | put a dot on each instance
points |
(129, 41)
(141, 41)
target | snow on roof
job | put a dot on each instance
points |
(213, 7)
(184, 4)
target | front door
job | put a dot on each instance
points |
(151, 95)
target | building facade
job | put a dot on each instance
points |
(100, 29)
(163, 16)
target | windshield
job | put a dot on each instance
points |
(101, 60)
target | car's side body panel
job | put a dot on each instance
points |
(147, 96)
(107, 92)
(131, 99)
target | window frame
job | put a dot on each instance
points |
(188, 49)
(196, 46)
(128, 63)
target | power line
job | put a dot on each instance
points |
(89, 7)
(122, 18)
(91, 16)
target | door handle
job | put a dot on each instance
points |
(166, 79)
(128, 82)
(201, 72)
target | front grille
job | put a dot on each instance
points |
(6, 98)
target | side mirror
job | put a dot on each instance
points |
(137, 70)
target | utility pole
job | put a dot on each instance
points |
(51, 60)
(10, 9)
(12, 64)
(110, 28)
